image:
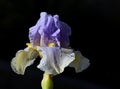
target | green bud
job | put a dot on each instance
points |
(47, 82)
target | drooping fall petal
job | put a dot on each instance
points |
(55, 59)
(80, 63)
(23, 59)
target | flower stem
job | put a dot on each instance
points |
(47, 82)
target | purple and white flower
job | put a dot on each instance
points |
(54, 58)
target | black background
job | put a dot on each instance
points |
(95, 26)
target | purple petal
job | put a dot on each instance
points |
(49, 29)
(34, 36)
(64, 34)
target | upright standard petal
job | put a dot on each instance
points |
(80, 63)
(34, 36)
(36, 31)
(64, 34)
(49, 29)
(23, 59)
(55, 59)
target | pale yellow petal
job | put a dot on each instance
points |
(80, 63)
(23, 59)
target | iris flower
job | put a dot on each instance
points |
(49, 40)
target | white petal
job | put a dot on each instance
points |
(23, 59)
(55, 59)
(80, 63)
